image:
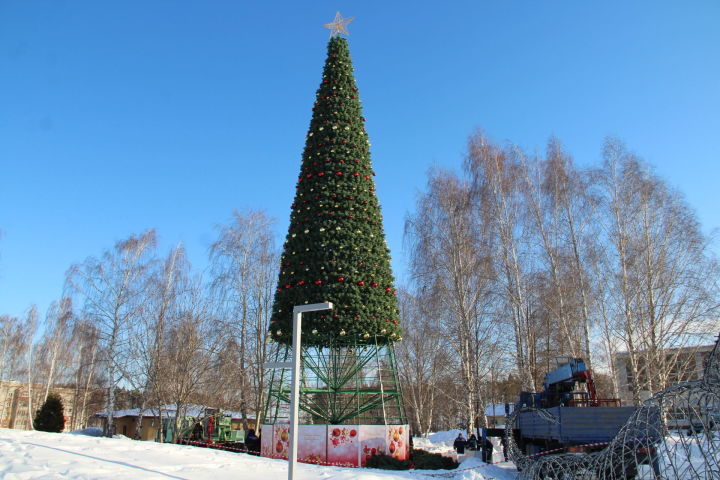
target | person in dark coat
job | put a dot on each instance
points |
(472, 443)
(197, 432)
(459, 444)
(252, 442)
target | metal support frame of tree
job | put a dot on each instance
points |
(352, 384)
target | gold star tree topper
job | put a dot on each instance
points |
(339, 25)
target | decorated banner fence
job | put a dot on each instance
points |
(340, 445)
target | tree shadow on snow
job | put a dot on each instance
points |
(108, 461)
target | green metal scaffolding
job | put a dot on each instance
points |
(353, 383)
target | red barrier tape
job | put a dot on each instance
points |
(558, 450)
(276, 457)
(314, 462)
(214, 446)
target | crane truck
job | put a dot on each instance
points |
(568, 415)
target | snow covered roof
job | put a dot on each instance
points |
(169, 411)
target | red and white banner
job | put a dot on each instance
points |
(340, 445)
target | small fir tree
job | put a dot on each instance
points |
(51, 416)
(335, 248)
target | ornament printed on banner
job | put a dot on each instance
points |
(397, 442)
(340, 436)
(281, 441)
(343, 445)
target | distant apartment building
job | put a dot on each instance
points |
(15, 403)
(685, 364)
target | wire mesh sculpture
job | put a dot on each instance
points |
(651, 445)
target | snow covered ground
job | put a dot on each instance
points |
(48, 456)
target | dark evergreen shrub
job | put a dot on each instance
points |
(386, 462)
(51, 416)
(420, 459)
(423, 460)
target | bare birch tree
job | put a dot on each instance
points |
(112, 292)
(12, 346)
(450, 257)
(244, 262)
(30, 329)
(573, 202)
(664, 289)
(85, 337)
(57, 340)
(495, 174)
(423, 362)
(165, 284)
(191, 347)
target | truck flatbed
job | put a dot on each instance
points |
(575, 426)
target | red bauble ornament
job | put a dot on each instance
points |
(341, 279)
(374, 284)
(301, 282)
(318, 282)
(361, 283)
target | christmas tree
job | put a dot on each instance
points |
(335, 251)
(335, 248)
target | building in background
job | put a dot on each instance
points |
(685, 364)
(126, 421)
(15, 403)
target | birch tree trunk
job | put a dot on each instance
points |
(31, 328)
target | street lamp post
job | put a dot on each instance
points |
(298, 310)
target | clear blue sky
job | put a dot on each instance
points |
(120, 116)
